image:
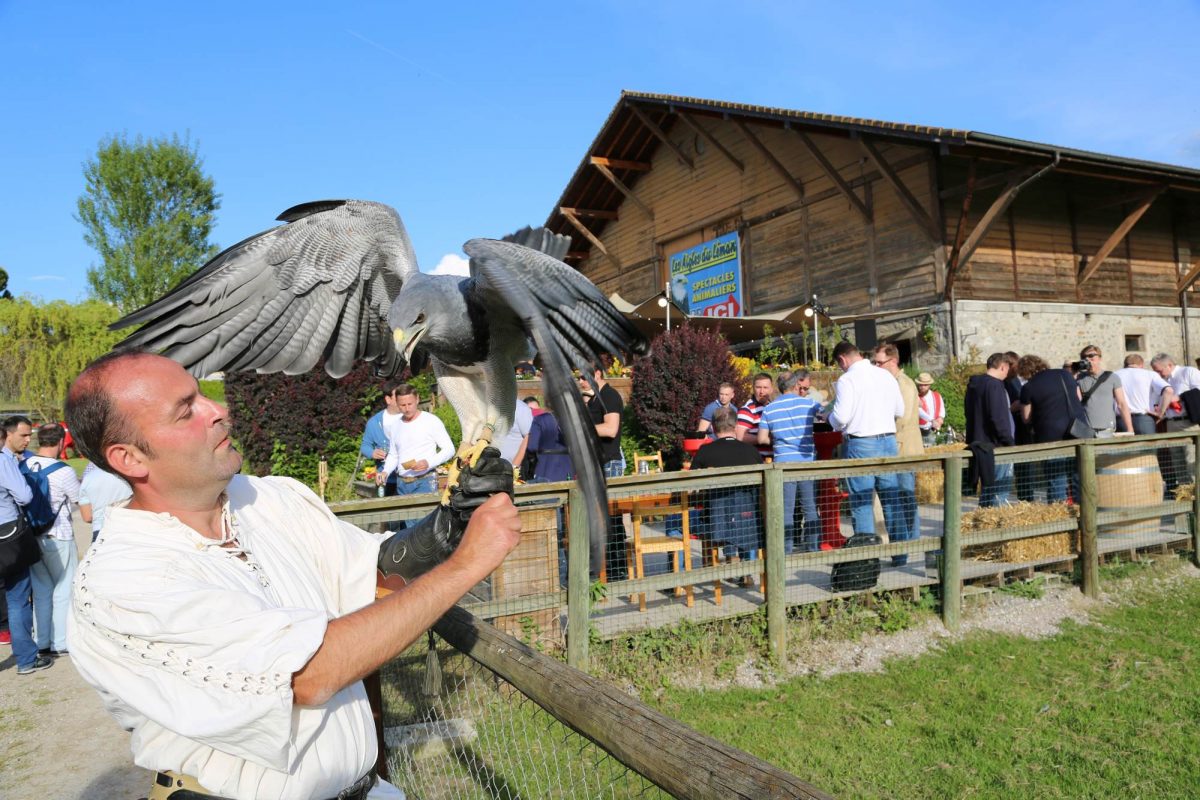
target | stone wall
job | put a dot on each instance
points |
(1058, 331)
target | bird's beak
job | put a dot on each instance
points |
(399, 337)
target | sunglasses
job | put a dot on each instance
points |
(1090, 356)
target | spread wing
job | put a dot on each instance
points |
(571, 323)
(318, 286)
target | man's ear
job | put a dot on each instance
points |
(127, 460)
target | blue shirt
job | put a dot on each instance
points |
(707, 415)
(546, 440)
(374, 437)
(101, 489)
(14, 491)
(789, 418)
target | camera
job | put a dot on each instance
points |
(1083, 365)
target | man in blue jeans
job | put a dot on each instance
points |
(867, 402)
(787, 424)
(14, 493)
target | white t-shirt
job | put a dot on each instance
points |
(867, 401)
(1143, 387)
(1182, 379)
(101, 489)
(193, 649)
(389, 421)
(64, 485)
(424, 438)
(522, 424)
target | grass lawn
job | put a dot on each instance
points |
(1109, 709)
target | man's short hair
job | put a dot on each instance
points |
(403, 389)
(1029, 366)
(1134, 360)
(995, 360)
(50, 435)
(1012, 359)
(389, 389)
(1161, 358)
(531, 400)
(1083, 353)
(844, 348)
(729, 386)
(92, 413)
(10, 423)
(724, 419)
(890, 350)
(763, 376)
(786, 381)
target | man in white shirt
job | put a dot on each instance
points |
(512, 446)
(52, 576)
(417, 444)
(226, 620)
(1176, 466)
(867, 402)
(1146, 394)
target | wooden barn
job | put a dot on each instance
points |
(940, 240)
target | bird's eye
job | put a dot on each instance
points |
(420, 318)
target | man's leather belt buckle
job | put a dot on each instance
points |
(869, 435)
(414, 478)
(174, 786)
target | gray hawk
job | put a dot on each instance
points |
(339, 281)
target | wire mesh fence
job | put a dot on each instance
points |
(456, 730)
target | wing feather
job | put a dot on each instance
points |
(571, 323)
(280, 299)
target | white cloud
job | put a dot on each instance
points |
(452, 264)
(46, 278)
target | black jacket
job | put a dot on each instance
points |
(987, 409)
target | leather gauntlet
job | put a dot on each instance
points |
(423, 545)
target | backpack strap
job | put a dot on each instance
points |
(1103, 377)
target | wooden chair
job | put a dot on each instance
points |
(650, 458)
(661, 506)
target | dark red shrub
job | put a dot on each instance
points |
(673, 384)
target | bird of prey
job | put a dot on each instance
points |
(339, 280)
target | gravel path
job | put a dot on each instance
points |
(56, 739)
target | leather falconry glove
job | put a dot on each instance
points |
(422, 546)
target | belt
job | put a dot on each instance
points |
(174, 786)
(415, 478)
(869, 436)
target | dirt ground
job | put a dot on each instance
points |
(56, 739)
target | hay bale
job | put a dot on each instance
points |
(930, 486)
(1185, 492)
(1016, 516)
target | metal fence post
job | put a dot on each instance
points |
(579, 583)
(950, 570)
(776, 583)
(1089, 556)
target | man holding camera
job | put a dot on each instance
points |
(1103, 394)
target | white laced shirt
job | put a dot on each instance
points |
(192, 647)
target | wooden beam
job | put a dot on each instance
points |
(591, 213)
(775, 163)
(834, 176)
(620, 163)
(622, 188)
(711, 139)
(662, 136)
(1187, 280)
(1005, 199)
(1135, 196)
(982, 184)
(1088, 268)
(591, 237)
(577, 254)
(960, 231)
(906, 197)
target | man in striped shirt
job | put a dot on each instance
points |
(751, 412)
(787, 424)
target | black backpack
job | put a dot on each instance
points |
(856, 576)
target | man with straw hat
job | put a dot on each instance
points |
(931, 409)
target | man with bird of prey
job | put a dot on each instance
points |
(226, 619)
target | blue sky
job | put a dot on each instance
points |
(469, 118)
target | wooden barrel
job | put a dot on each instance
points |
(1127, 480)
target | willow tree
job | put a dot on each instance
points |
(147, 209)
(43, 346)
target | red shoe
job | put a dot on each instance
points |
(6, 638)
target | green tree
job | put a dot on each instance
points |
(5, 294)
(43, 346)
(148, 210)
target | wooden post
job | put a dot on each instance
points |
(1089, 556)
(776, 582)
(1196, 500)
(950, 571)
(579, 582)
